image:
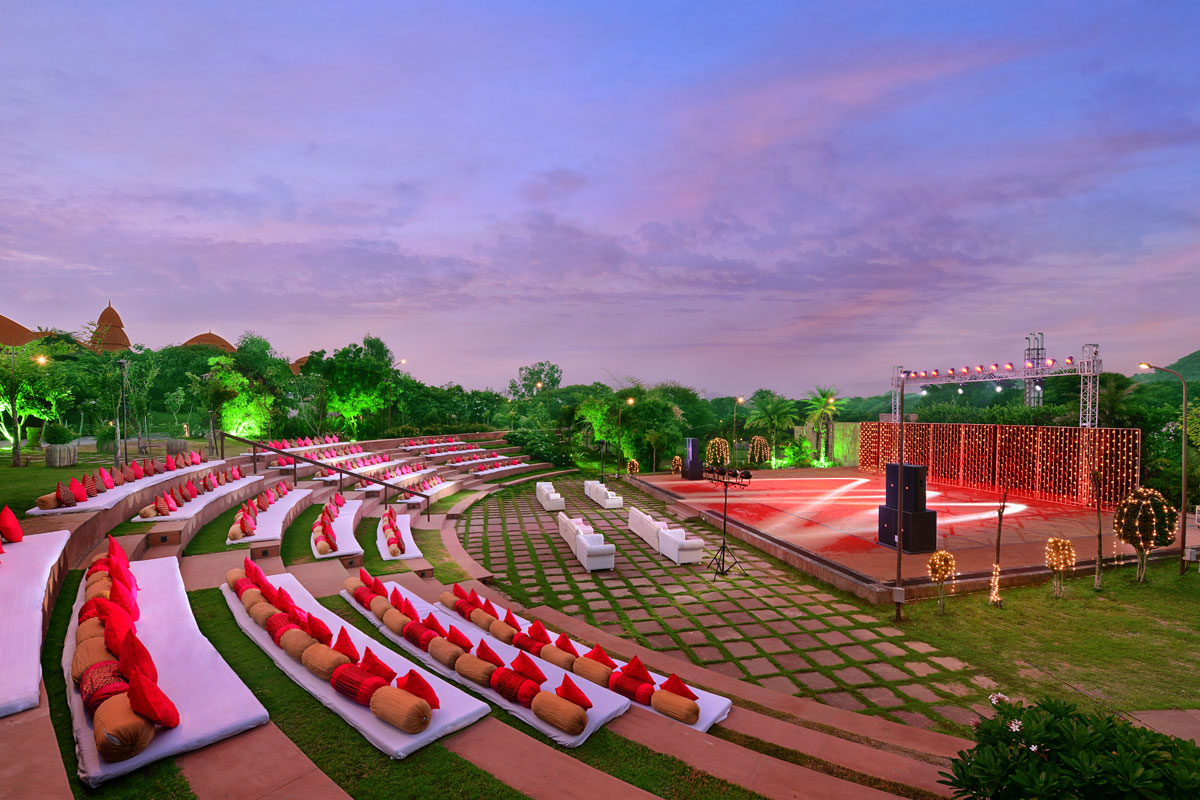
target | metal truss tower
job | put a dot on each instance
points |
(1035, 353)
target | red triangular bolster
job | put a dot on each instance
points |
(538, 633)
(488, 654)
(569, 691)
(414, 683)
(597, 654)
(373, 665)
(396, 600)
(431, 622)
(283, 601)
(474, 600)
(408, 609)
(524, 665)
(636, 669)
(491, 609)
(346, 647)
(566, 645)
(377, 587)
(319, 630)
(676, 686)
(511, 621)
(365, 576)
(459, 592)
(455, 636)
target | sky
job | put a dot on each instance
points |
(730, 195)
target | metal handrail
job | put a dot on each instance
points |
(256, 446)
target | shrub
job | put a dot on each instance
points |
(542, 446)
(401, 432)
(57, 433)
(1052, 750)
(106, 437)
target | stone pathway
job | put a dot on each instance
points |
(775, 626)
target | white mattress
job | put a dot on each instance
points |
(343, 529)
(427, 446)
(606, 704)
(453, 453)
(360, 470)
(500, 469)
(270, 522)
(399, 480)
(475, 463)
(410, 547)
(713, 707)
(119, 493)
(458, 709)
(24, 571)
(213, 702)
(434, 494)
(191, 509)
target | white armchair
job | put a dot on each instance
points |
(670, 542)
(588, 546)
(550, 499)
(601, 495)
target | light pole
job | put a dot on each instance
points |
(733, 443)
(119, 444)
(620, 452)
(537, 387)
(1183, 494)
(898, 592)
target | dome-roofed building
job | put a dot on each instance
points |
(212, 340)
(110, 331)
(14, 334)
(298, 364)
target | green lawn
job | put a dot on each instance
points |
(211, 538)
(1129, 647)
(445, 569)
(449, 501)
(21, 486)
(295, 547)
(161, 780)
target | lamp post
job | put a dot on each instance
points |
(119, 444)
(733, 442)
(537, 387)
(620, 452)
(898, 592)
(1183, 494)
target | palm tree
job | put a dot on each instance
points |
(821, 406)
(772, 414)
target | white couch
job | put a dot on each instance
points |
(670, 542)
(550, 499)
(600, 493)
(588, 546)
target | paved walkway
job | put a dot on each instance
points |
(772, 627)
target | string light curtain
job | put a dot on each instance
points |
(1048, 463)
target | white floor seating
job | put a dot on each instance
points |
(550, 499)
(589, 547)
(670, 542)
(603, 497)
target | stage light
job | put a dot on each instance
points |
(935, 373)
(999, 388)
(1049, 362)
(966, 370)
(1037, 388)
(979, 368)
(1008, 366)
(960, 390)
(924, 392)
(1028, 365)
(995, 367)
(1070, 360)
(922, 373)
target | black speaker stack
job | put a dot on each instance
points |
(693, 467)
(918, 529)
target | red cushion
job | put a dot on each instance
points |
(343, 644)
(407, 609)
(566, 645)
(538, 633)
(64, 495)
(106, 477)
(488, 654)
(597, 654)
(138, 472)
(171, 504)
(415, 684)
(676, 686)
(135, 656)
(569, 691)
(455, 636)
(509, 619)
(77, 490)
(123, 596)
(372, 664)
(524, 665)
(118, 571)
(148, 700)
(459, 591)
(489, 608)
(636, 669)
(397, 601)
(170, 464)
(117, 624)
(366, 578)
(283, 601)
(10, 528)
(319, 630)
(298, 618)
(431, 622)
(116, 552)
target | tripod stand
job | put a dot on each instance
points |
(725, 560)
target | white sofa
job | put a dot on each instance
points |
(600, 493)
(589, 547)
(550, 499)
(670, 542)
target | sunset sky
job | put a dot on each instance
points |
(730, 195)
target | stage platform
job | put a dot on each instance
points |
(832, 515)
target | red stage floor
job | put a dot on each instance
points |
(833, 513)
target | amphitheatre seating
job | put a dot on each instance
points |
(670, 542)
(606, 704)
(366, 469)
(25, 570)
(271, 524)
(406, 479)
(713, 707)
(504, 465)
(474, 462)
(411, 551)
(426, 443)
(587, 545)
(191, 509)
(343, 528)
(598, 492)
(457, 708)
(212, 701)
(550, 499)
(115, 495)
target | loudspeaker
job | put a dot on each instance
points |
(693, 449)
(693, 470)
(919, 530)
(914, 486)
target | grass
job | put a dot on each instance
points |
(445, 568)
(211, 538)
(449, 501)
(20, 487)
(1127, 647)
(636, 764)
(161, 780)
(523, 475)
(335, 747)
(295, 547)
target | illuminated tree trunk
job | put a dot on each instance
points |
(994, 597)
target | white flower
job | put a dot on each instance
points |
(1015, 725)
(1033, 748)
(996, 697)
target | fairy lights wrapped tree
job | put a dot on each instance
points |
(941, 568)
(717, 451)
(1060, 557)
(1144, 521)
(632, 467)
(676, 465)
(760, 450)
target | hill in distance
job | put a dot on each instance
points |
(1188, 367)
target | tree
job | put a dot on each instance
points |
(771, 413)
(528, 377)
(31, 389)
(1145, 520)
(355, 378)
(140, 375)
(174, 402)
(214, 389)
(821, 406)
